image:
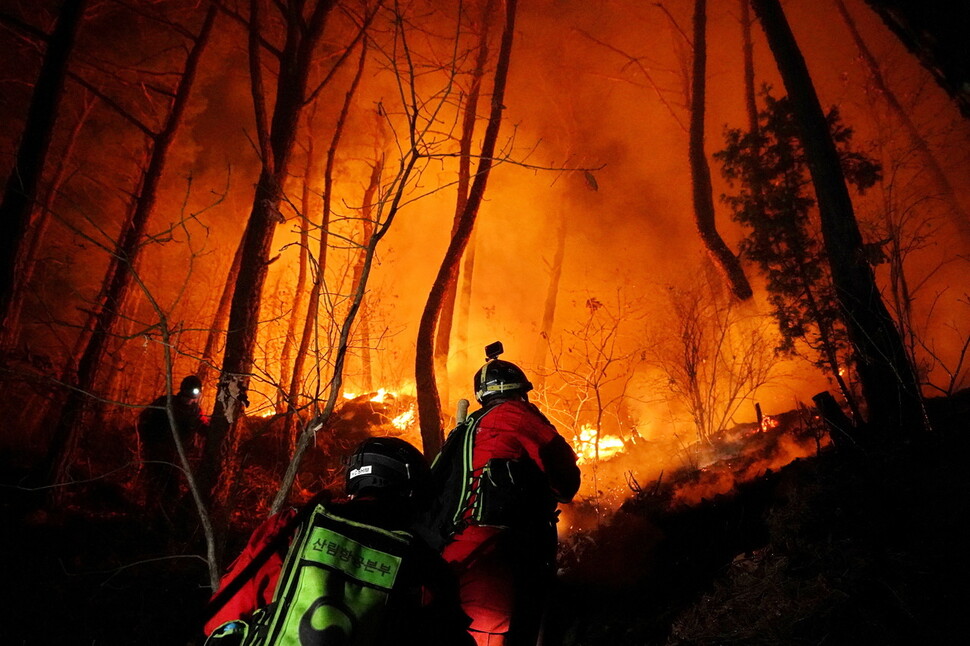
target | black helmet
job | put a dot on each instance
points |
(191, 386)
(388, 464)
(499, 377)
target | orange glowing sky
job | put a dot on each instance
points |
(572, 103)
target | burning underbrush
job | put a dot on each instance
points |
(672, 474)
(265, 448)
(620, 538)
(840, 546)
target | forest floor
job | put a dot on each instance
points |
(866, 545)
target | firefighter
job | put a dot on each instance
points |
(501, 474)
(162, 476)
(346, 571)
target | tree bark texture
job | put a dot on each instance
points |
(700, 172)
(429, 405)
(886, 375)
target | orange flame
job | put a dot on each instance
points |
(587, 448)
(405, 420)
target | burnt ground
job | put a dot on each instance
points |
(859, 545)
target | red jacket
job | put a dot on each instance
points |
(504, 567)
(256, 591)
(516, 429)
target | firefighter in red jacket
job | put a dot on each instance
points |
(501, 474)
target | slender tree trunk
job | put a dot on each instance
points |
(311, 322)
(933, 31)
(66, 432)
(367, 232)
(286, 364)
(552, 295)
(937, 176)
(442, 344)
(700, 171)
(218, 327)
(885, 373)
(20, 192)
(276, 139)
(40, 221)
(429, 405)
(747, 50)
(465, 301)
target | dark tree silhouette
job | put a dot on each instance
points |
(120, 274)
(885, 373)
(935, 31)
(303, 27)
(917, 141)
(429, 404)
(442, 344)
(769, 169)
(20, 192)
(700, 171)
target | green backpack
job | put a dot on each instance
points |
(337, 587)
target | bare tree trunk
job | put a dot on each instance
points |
(311, 322)
(309, 180)
(442, 344)
(552, 295)
(276, 140)
(20, 192)
(885, 373)
(218, 327)
(40, 221)
(930, 163)
(747, 50)
(429, 405)
(367, 232)
(828, 350)
(935, 33)
(66, 431)
(465, 300)
(700, 171)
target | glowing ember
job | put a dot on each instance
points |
(586, 444)
(768, 423)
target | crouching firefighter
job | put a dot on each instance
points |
(499, 477)
(347, 572)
